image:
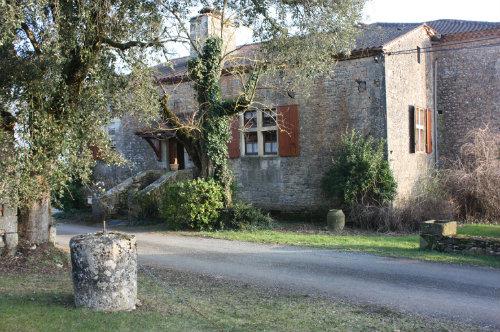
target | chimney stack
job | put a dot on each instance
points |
(208, 24)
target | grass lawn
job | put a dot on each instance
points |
(406, 246)
(43, 301)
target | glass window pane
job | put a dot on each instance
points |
(250, 119)
(270, 142)
(269, 118)
(251, 146)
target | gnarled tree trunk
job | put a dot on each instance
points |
(35, 221)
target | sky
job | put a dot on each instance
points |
(429, 10)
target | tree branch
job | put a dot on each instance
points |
(135, 43)
(31, 36)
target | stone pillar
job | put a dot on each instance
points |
(8, 207)
(104, 270)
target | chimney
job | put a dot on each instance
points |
(207, 24)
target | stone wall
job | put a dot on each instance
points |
(409, 82)
(464, 245)
(351, 98)
(468, 86)
(139, 155)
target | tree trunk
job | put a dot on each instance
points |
(35, 221)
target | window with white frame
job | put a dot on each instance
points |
(260, 132)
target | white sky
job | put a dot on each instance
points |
(429, 10)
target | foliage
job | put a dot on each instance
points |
(62, 67)
(193, 203)
(245, 216)
(473, 180)
(428, 201)
(359, 173)
(72, 198)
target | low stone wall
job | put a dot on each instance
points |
(460, 244)
(441, 236)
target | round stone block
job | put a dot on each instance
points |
(335, 220)
(104, 271)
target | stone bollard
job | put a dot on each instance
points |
(104, 275)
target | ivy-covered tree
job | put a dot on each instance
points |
(60, 63)
(301, 38)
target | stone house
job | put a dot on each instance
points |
(418, 86)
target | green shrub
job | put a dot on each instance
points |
(245, 216)
(193, 203)
(360, 175)
(72, 198)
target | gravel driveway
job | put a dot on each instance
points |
(464, 293)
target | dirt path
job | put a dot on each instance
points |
(469, 294)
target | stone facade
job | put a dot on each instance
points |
(351, 98)
(468, 93)
(139, 155)
(373, 92)
(409, 82)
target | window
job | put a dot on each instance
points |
(420, 130)
(260, 132)
(251, 145)
(267, 132)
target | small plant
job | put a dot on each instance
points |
(194, 204)
(360, 175)
(245, 216)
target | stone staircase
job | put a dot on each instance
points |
(136, 197)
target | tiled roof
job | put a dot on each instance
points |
(456, 26)
(374, 37)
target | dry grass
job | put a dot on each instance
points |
(473, 181)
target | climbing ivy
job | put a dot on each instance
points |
(215, 112)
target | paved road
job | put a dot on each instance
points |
(469, 294)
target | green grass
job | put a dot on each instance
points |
(406, 246)
(31, 302)
(480, 230)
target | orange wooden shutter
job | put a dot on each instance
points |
(233, 146)
(428, 133)
(288, 132)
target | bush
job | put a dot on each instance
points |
(72, 198)
(427, 202)
(360, 175)
(193, 203)
(473, 180)
(245, 216)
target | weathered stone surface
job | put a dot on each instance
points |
(468, 89)
(104, 271)
(461, 244)
(439, 227)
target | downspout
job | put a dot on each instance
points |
(435, 114)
